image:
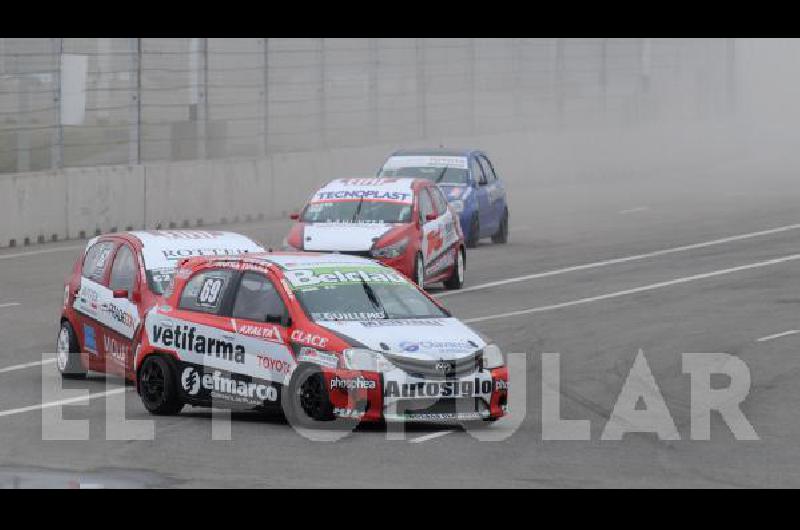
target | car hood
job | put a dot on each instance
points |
(422, 339)
(342, 236)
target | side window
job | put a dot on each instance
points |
(477, 171)
(123, 272)
(425, 205)
(487, 169)
(439, 200)
(96, 261)
(257, 298)
(206, 291)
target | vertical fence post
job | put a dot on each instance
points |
(373, 69)
(135, 115)
(516, 83)
(471, 87)
(265, 97)
(731, 76)
(421, 88)
(198, 79)
(57, 147)
(322, 121)
(559, 82)
(604, 77)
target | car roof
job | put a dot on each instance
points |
(286, 260)
(436, 151)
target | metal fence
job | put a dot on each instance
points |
(84, 102)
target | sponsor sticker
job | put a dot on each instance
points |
(89, 339)
(224, 386)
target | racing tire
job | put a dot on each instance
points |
(501, 237)
(157, 384)
(419, 271)
(474, 232)
(306, 401)
(68, 356)
(456, 280)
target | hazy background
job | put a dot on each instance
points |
(136, 123)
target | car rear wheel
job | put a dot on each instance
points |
(456, 280)
(158, 386)
(68, 353)
(501, 236)
(474, 232)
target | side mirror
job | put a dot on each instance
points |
(431, 217)
(294, 216)
(120, 293)
(282, 320)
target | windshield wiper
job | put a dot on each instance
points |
(441, 176)
(358, 210)
(374, 299)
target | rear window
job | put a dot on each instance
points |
(96, 261)
(205, 291)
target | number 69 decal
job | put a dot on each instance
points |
(209, 293)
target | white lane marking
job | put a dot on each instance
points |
(26, 365)
(37, 252)
(626, 259)
(51, 404)
(644, 288)
(778, 335)
(9, 304)
(634, 210)
(430, 436)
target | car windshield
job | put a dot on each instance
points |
(357, 211)
(365, 292)
(159, 280)
(439, 175)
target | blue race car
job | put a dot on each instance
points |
(468, 180)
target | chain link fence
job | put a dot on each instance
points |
(67, 102)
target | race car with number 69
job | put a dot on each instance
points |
(319, 336)
(403, 223)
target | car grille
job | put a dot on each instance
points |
(442, 406)
(437, 369)
(360, 253)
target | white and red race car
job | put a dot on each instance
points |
(323, 336)
(404, 223)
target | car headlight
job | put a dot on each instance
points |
(492, 357)
(366, 360)
(458, 205)
(390, 251)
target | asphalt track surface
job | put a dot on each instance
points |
(703, 261)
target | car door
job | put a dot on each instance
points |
(495, 194)
(261, 325)
(432, 238)
(481, 195)
(200, 329)
(121, 315)
(92, 294)
(449, 231)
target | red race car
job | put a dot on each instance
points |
(404, 223)
(114, 282)
(320, 336)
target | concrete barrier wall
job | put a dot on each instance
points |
(80, 202)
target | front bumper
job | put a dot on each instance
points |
(399, 396)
